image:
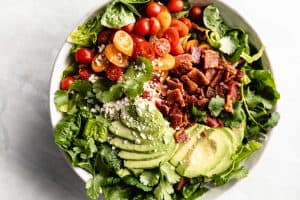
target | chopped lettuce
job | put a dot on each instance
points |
(96, 129)
(216, 105)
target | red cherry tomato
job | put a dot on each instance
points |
(113, 72)
(144, 49)
(175, 5)
(162, 47)
(84, 73)
(104, 36)
(187, 22)
(137, 38)
(142, 26)
(66, 82)
(177, 50)
(154, 26)
(172, 35)
(195, 13)
(129, 28)
(183, 30)
(153, 9)
(84, 56)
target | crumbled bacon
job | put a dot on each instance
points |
(175, 96)
(211, 59)
(221, 89)
(233, 95)
(210, 92)
(181, 136)
(161, 105)
(210, 74)
(198, 77)
(216, 80)
(175, 83)
(196, 54)
(183, 64)
(213, 122)
(190, 85)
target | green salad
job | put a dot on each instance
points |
(162, 100)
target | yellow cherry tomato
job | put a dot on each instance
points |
(164, 63)
(189, 44)
(115, 56)
(99, 63)
(123, 42)
(164, 19)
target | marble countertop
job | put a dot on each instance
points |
(31, 167)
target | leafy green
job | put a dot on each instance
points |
(213, 20)
(215, 105)
(113, 93)
(86, 34)
(131, 180)
(116, 192)
(96, 129)
(168, 171)
(198, 115)
(246, 150)
(81, 86)
(236, 118)
(65, 130)
(149, 178)
(61, 100)
(164, 190)
(193, 191)
(250, 59)
(70, 70)
(109, 157)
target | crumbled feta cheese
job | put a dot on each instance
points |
(93, 78)
(112, 109)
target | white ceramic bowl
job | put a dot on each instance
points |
(231, 17)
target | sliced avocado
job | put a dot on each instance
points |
(221, 166)
(136, 172)
(194, 133)
(126, 155)
(206, 154)
(232, 136)
(148, 164)
(118, 129)
(129, 146)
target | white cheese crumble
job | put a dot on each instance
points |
(93, 78)
(112, 110)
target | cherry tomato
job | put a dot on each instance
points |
(128, 28)
(153, 9)
(154, 26)
(66, 82)
(164, 63)
(164, 19)
(104, 36)
(115, 56)
(177, 50)
(84, 73)
(187, 22)
(137, 38)
(99, 63)
(142, 26)
(144, 49)
(162, 47)
(195, 13)
(175, 5)
(172, 35)
(84, 55)
(183, 29)
(113, 72)
(123, 42)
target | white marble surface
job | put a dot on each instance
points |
(31, 33)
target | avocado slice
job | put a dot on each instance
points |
(205, 154)
(152, 163)
(127, 155)
(194, 133)
(118, 129)
(129, 146)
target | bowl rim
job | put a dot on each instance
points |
(84, 176)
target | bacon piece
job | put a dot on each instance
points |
(196, 54)
(217, 78)
(211, 59)
(181, 136)
(199, 102)
(210, 74)
(210, 92)
(161, 105)
(221, 89)
(233, 95)
(198, 28)
(183, 59)
(181, 183)
(183, 64)
(191, 85)
(198, 77)
(174, 83)
(226, 65)
(239, 75)
(175, 117)
(175, 96)
(213, 122)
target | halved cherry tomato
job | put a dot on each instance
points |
(154, 26)
(195, 13)
(183, 30)
(99, 63)
(187, 22)
(104, 36)
(123, 42)
(172, 35)
(137, 38)
(164, 63)
(162, 47)
(153, 9)
(116, 57)
(164, 19)
(144, 49)
(142, 26)
(84, 73)
(84, 55)
(177, 50)
(113, 72)
(66, 82)
(175, 5)
(128, 28)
